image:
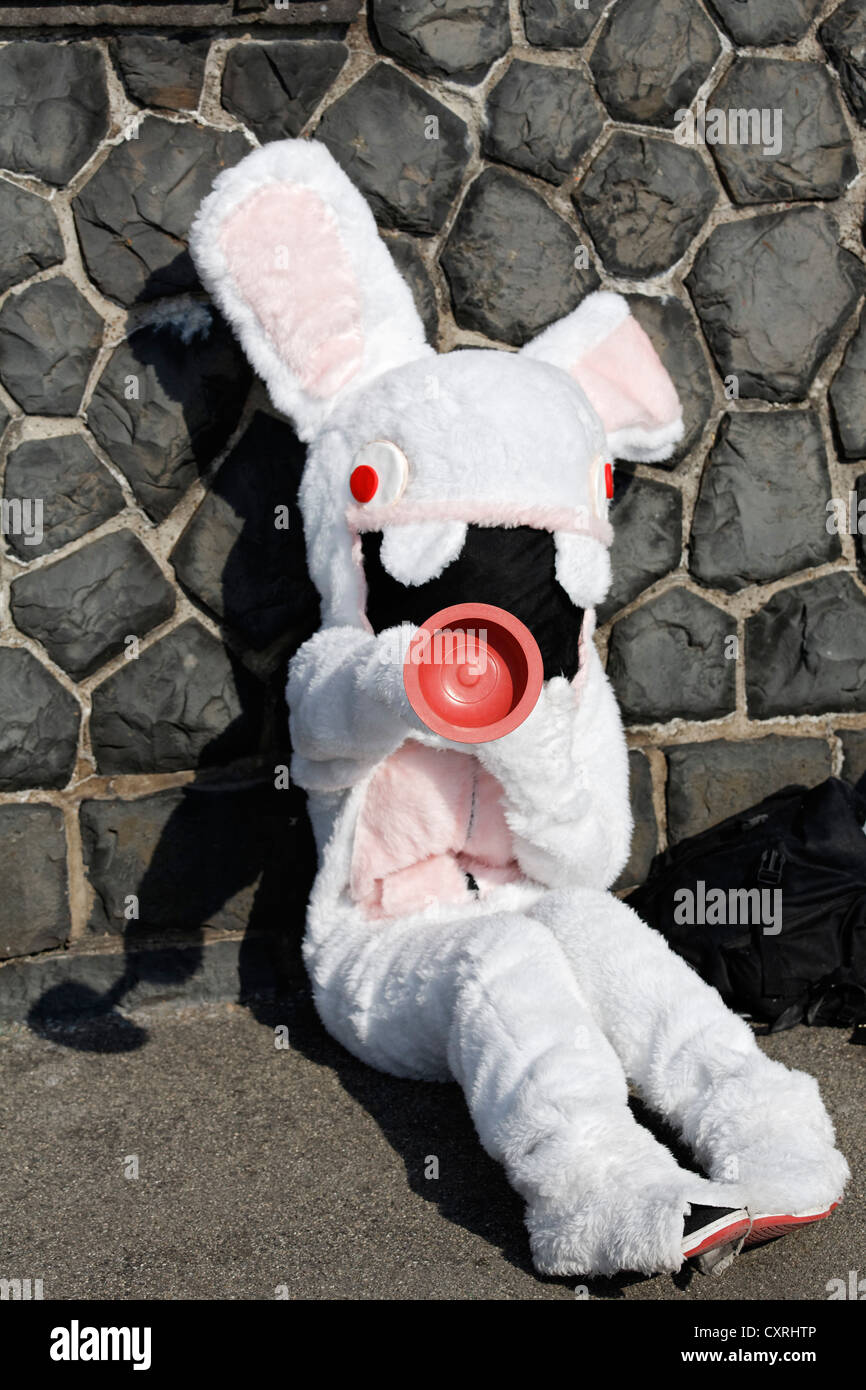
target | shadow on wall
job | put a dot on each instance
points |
(231, 833)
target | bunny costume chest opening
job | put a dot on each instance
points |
(431, 830)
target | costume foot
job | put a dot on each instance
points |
(712, 1236)
(767, 1226)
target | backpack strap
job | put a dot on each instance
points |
(769, 874)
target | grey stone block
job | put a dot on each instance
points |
(848, 396)
(34, 905)
(815, 158)
(707, 782)
(806, 650)
(49, 338)
(647, 520)
(183, 704)
(843, 35)
(557, 23)
(161, 71)
(650, 60)
(408, 260)
(401, 147)
(667, 660)
(218, 853)
(453, 38)
(765, 22)
(232, 556)
(165, 405)
(82, 608)
(274, 88)
(761, 512)
(30, 238)
(133, 216)
(854, 753)
(509, 261)
(859, 491)
(542, 119)
(772, 293)
(53, 108)
(38, 724)
(677, 341)
(76, 490)
(644, 200)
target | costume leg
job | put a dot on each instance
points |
(492, 1002)
(750, 1121)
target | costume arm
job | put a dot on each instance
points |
(348, 707)
(564, 775)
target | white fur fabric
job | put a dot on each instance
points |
(393, 332)
(543, 997)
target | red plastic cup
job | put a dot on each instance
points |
(473, 672)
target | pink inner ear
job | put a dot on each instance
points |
(283, 251)
(626, 382)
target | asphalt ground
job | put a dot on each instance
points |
(268, 1171)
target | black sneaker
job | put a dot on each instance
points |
(712, 1236)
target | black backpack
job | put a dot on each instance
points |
(784, 940)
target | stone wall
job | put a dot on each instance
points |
(516, 157)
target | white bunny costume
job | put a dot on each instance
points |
(461, 924)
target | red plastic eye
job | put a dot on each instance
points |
(608, 480)
(364, 483)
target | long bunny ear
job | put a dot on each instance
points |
(289, 250)
(611, 357)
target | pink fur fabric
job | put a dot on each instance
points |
(626, 382)
(284, 250)
(430, 816)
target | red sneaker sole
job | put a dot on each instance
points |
(766, 1227)
(726, 1236)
